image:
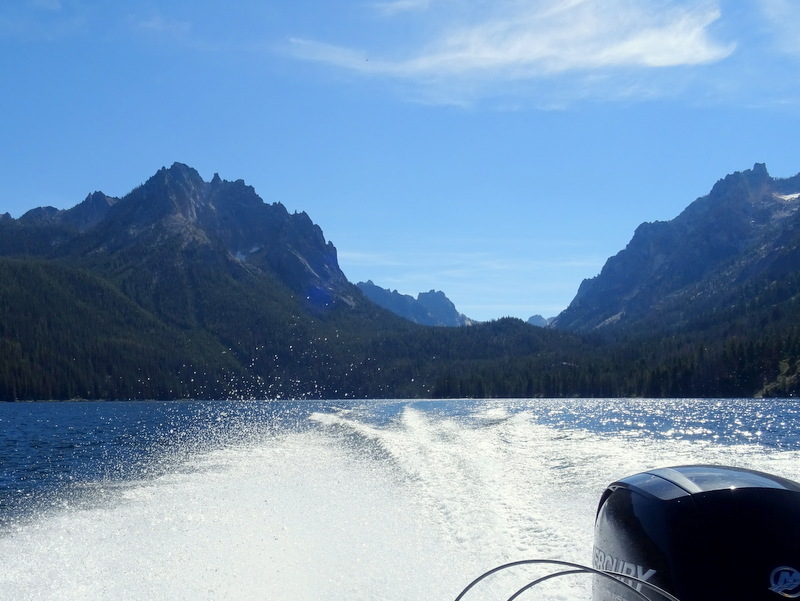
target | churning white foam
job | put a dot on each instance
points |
(411, 510)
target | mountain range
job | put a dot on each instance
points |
(186, 288)
(429, 308)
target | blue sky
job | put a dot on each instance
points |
(498, 150)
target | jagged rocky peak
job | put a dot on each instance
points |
(726, 236)
(82, 216)
(755, 188)
(89, 212)
(751, 197)
(741, 186)
(263, 235)
(181, 174)
(431, 308)
(176, 217)
(755, 177)
(230, 210)
(181, 186)
(181, 196)
(98, 200)
(40, 215)
(436, 303)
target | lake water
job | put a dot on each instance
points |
(372, 500)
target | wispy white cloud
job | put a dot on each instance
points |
(783, 17)
(517, 41)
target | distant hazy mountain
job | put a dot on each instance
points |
(733, 243)
(429, 308)
(539, 321)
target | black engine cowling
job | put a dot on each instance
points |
(702, 533)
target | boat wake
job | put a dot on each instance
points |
(356, 504)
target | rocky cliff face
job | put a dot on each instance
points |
(746, 227)
(174, 215)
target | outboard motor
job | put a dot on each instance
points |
(701, 533)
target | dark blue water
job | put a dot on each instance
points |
(49, 451)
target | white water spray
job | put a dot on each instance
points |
(348, 510)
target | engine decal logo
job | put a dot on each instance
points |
(608, 563)
(785, 581)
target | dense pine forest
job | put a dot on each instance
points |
(65, 333)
